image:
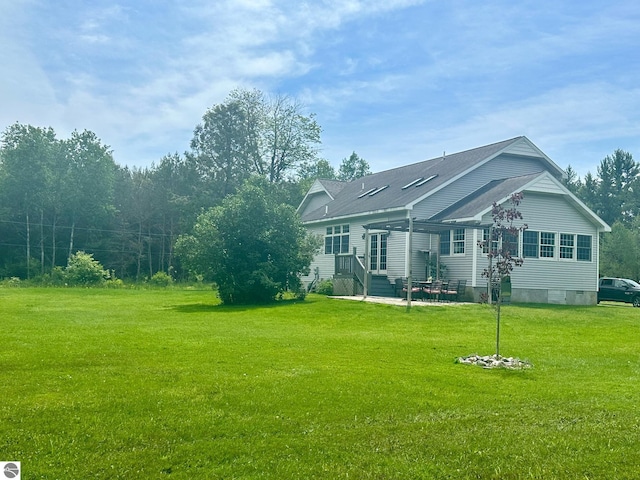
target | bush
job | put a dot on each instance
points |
(325, 287)
(114, 283)
(161, 279)
(83, 270)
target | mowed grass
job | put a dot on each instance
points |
(168, 384)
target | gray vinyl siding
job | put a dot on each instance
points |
(552, 213)
(325, 263)
(460, 266)
(396, 246)
(317, 200)
(503, 166)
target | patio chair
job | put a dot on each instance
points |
(462, 290)
(434, 290)
(450, 293)
(398, 288)
(415, 290)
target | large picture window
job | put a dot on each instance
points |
(584, 248)
(336, 240)
(569, 245)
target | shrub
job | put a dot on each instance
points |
(114, 283)
(83, 270)
(325, 287)
(161, 279)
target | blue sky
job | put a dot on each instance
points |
(398, 81)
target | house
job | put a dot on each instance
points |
(425, 219)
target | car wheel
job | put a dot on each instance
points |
(636, 301)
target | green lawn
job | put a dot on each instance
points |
(167, 384)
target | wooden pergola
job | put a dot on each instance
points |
(411, 225)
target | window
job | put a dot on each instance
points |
(530, 244)
(547, 244)
(567, 244)
(584, 248)
(458, 241)
(538, 244)
(452, 242)
(510, 243)
(485, 239)
(336, 240)
(445, 242)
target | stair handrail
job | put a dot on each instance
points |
(350, 264)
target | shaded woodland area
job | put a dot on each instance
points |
(63, 195)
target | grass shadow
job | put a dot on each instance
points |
(221, 308)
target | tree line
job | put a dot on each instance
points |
(59, 196)
(614, 194)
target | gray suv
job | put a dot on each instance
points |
(619, 290)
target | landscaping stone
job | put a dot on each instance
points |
(494, 361)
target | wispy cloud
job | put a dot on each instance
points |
(396, 80)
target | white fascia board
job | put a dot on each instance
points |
(551, 163)
(368, 213)
(313, 189)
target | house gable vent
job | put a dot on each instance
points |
(425, 180)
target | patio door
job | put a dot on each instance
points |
(378, 253)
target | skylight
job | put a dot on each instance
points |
(425, 180)
(412, 183)
(378, 190)
(366, 193)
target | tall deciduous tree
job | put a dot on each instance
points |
(27, 154)
(352, 168)
(252, 246)
(282, 136)
(89, 181)
(620, 251)
(223, 148)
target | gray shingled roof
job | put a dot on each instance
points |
(346, 201)
(483, 198)
(333, 187)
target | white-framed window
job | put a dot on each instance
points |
(570, 246)
(336, 240)
(445, 242)
(567, 246)
(452, 242)
(538, 244)
(547, 244)
(509, 242)
(457, 241)
(583, 250)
